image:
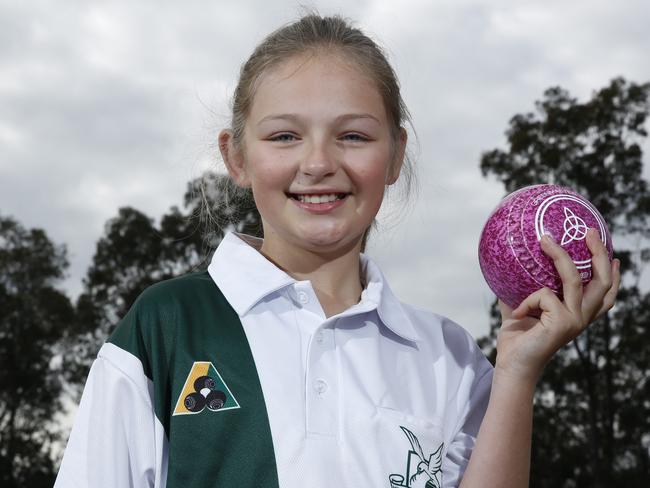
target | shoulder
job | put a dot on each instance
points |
(168, 298)
(447, 337)
(152, 322)
(172, 291)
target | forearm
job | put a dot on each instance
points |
(501, 456)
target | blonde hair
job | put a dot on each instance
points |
(312, 35)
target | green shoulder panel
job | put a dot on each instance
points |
(207, 394)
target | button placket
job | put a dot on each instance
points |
(322, 387)
(306, 299)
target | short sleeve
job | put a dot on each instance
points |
(462, 444)
(116, 440)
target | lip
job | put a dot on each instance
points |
(325, 191)
(319, 208)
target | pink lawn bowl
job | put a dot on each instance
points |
(510, 255)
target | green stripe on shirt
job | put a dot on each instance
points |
(173, 326)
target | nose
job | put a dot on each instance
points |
(319, 161)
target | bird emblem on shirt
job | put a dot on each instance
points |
(426, 472)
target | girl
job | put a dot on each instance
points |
(290, 362)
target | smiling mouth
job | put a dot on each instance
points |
(321, 198)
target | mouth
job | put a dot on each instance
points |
(317, 197)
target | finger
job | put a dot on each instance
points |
(610, 297)
(601, 281)
(601, 265)
(571, 282)
(543, 299)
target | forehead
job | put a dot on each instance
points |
(326, 83)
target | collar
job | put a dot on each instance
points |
(389, 308)
(245, 277)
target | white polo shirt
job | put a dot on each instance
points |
(383, 394)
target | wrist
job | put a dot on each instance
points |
(524, 382)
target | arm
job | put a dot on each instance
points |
(501, 456)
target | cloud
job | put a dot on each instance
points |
(113, 104)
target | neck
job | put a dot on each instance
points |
(335, 275)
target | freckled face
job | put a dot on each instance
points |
(317, 154)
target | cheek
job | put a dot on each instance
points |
(374, 167)
(371, 178)
(269, 173)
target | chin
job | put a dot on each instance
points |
(329, 242)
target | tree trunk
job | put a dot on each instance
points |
(594, 437)
(608, 447)
(11, 434)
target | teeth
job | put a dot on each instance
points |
(318, 198)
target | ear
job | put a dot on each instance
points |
(398, 158)
(233, 157)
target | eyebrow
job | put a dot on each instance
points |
(296, 117)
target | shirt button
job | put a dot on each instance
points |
(303, 297)
(320, 386)
(319, 337)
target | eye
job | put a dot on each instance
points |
(355, 137)
(284, 137)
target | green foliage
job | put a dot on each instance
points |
(134, 253)
(592, 406)
(34, 317)
(594, 147)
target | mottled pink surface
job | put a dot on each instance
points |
(510, 256)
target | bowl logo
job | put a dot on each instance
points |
(574, 228)
(204, 388)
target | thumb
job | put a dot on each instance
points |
(506, 310)
(542, 300)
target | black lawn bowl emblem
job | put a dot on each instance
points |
(215, 400)
(205, 395)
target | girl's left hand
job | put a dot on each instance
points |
(525, 344)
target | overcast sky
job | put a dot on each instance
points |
(108, 104)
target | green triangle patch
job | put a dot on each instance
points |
(204, 390)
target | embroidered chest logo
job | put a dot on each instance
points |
(204, 387)
(421, 471)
